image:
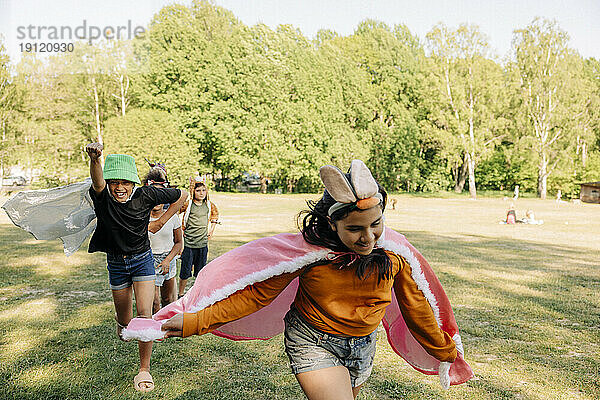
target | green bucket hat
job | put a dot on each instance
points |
(121, 166)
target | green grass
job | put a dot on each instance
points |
(526, 299)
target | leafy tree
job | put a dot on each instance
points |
(549, 83)
(314, 117)
(8, 100)
(189, 53)
(225, 98)
(588, 139)
(391, 60)
(154, 135)
(121, 67)
(47, 135)
(90, 68)
(472, 88)
(253, 99)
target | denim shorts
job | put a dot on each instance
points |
(123, 270)
(160, 277)
(310, 349)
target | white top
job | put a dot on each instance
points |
(162, 241)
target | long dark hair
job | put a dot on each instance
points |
(315, 228)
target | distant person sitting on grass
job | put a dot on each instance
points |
(530, 219)
(123, 213)
(511, 215)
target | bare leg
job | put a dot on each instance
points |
(123, 306)
(168, 292)
(327, 384)
(144, 298)
(355, 390)
(156, 302)
(182, 284)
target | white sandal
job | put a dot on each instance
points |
(143, 377)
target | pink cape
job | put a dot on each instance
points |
(271, 256)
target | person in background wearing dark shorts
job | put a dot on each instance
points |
(123, 215)
(199, 221)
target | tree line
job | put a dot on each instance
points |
(201, 91)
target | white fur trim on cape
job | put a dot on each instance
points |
(144, 335)
(458, 343)
(416, 273)
(259, 276)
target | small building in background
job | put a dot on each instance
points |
(590, 192)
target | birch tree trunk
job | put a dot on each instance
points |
(97, 110)
(543, 176)
(461, 176)
(471, 151)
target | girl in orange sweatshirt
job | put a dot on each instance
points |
(330, 330)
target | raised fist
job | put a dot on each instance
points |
(94, 150)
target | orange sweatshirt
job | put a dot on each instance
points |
(335, 301)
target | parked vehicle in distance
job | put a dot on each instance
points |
(15, 180)
(249, 179)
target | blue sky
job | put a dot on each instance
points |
(497, 19)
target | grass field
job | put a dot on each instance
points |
(526, 298)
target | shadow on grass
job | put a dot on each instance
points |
(45, 358)
(16, 246)
(525, 302)
(381, 385)
(529, 305)
(92, 364)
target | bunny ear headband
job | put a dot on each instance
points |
(156, 164)
(361, 189)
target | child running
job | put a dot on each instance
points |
(123, 214)
(199, 221)
(331, 328)
(166, 245)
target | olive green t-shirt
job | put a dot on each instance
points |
(196, 228)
